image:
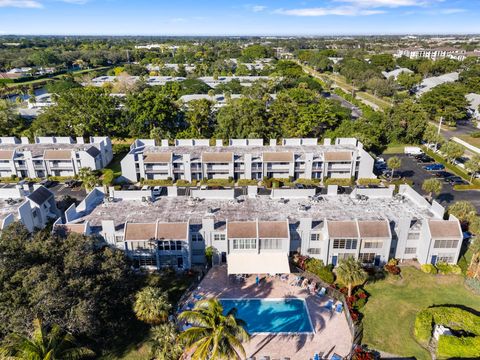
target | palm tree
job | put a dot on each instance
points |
(42, 345)
(350, 273)
(394, 163)
(151, 306)
(214, 335)
(432, 186)
(164, 342)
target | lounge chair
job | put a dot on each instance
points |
(322, 292)
(339, 308)
(336, 357)
(316, 356)
(329, 304)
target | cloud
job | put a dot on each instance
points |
(76, 2)
(32, 4)
(339, 11)
(452, 11)
(388, 3)
(258, 8)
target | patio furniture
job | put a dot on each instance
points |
(336, 357)
(339, 308)
(322, 292)
(316, 356)
(197, 297)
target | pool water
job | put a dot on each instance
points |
(271, 315)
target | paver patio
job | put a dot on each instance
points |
(332, 334)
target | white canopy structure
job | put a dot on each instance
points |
(248, 263)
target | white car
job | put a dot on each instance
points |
(157, 190)
(146, 187)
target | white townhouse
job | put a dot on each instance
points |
(52, 156)
(255, 232)
(33, 207)
(433, 54)
(195, 159)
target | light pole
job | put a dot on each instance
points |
(438, 132)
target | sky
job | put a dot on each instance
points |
(239, 17)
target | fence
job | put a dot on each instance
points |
(356, 329)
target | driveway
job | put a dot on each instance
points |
(60, 190)
(413, 171)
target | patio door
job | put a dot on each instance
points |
(376, 262)
(434, 260)
(334, 260)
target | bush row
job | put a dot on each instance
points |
(441, 268)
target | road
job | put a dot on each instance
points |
(413, 171)
(356, 112)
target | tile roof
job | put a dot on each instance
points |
(440, 229)
(153, 158)
(242, 229)
(57, 155)
(6, 154)
(137, 231)
(172, 231)
(338, 156)
(273, 229)
(342, 229)
(278, 156)
(374, 229)
(217, 157)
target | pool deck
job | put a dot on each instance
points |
(331, 335)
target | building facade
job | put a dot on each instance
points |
(433, 54)
(255, 233)
(247, 159)
(52, 156)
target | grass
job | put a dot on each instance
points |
(395, 149)
(471, 140)
(391, 309)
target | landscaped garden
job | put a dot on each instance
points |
(395, 302)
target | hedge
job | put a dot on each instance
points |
(315, 266)
(455, 319)
(218, 182)
(429, 269)
(311, 182)
(444, 268)
(61, 178)
(246, 182)
(366, 181)
(158, 182)
(466, 187)
(339, 182)
(186, 183)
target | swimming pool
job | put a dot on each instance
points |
(272, 315)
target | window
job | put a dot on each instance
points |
(118, 238)
(366, 258)
(410, 250)
(448, 258)
(270, 243)
(413, 236)
(348, 244)
(372, 244)
(315, 237)
(197, 237)
(316, 251)
(170, 245)
(145, 260)
(218, 237)
(244, 244)
(445, 244)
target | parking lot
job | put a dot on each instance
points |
(60, 190)
(414, 171)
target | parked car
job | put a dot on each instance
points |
(424, 159)
(456, 180)
(443, 174)
(412, 150)
(434, 167)
(157, 190)
(299, 186)
(146, 187)
(47, 183)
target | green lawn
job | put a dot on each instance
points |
(396, 149)
(391, 309)
(471, 140)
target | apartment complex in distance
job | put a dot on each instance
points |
(247, 159)
(52, 156)
(433, 54)
(255, 232)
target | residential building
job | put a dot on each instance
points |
(219, 100)
(193, 159)
(433, 54)
(474, 108)
(52, 156)
(396, 72)
(34, 207)
(254, 232)
(431, 82)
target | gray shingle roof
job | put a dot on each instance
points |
(40, 195)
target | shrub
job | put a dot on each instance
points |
(339, 182)
(108, 176)
(157, 182)
(182, 182)
(365, 181)
(311, 182)
(316, 266)
(475, 134)
(220, 182)
(246, 182)
(458, 347)
(443, 268)
(392, 269)
(429, 269)
(61, 178)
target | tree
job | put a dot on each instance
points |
(75, 282)
(214, 335)
(432, 186)
(407, 123)
(88, 178)
(350, 273)
(164, 342)
(447, 101)
(473, 166)
(452, 151)
(10, 123)
(408, 80)
(200, 119)
(462, 210)
(431, 135)
(151, 305)
(55, 344)
(394, 163)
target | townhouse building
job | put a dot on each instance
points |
(33, 207)
(255, 233)
(52, 156)
(433, 54)
(195, 159)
